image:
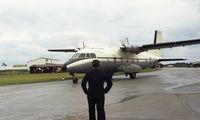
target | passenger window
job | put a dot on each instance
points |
(87, 55)
(142, 60)
(82, 55)
(93, 55)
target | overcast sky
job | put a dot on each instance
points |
(29, 27)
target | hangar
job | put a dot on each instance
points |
(44, 65)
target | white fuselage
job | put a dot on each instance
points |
(112, 60)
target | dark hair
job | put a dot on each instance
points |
(95, 63)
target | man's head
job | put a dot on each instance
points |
(95, 63)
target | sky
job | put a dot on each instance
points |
(28, 28)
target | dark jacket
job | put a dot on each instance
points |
(96, 79)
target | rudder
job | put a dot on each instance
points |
(157, 39)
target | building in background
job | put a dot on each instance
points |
(44, 65)
(42, 61)
(40, 65)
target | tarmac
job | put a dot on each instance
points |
(167, 94)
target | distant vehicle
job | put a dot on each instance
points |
(128, 58)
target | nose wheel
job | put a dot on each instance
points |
(74, 78)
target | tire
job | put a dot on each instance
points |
(132, 75)
(75, 80)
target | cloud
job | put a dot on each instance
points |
(29, 28)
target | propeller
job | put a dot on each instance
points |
(128, 48)
(125, 41)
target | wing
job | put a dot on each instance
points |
(147, 47)
(161, 60)
(169, 44)
(63, 50)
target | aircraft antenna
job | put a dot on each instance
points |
(155, 37)
(127, 41)
(83, 44)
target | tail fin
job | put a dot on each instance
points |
(157, 39)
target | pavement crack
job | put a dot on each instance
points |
(128, 98)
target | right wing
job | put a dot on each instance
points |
(135, 49)
(63, 50)
(169, 44)
(161, 60)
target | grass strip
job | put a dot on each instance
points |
(33, 78)
(10, 79)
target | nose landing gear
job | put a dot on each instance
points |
(74, 78)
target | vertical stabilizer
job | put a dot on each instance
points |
(157, 39)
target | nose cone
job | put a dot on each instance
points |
(81, 66)
(64, 67)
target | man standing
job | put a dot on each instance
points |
(96, 91)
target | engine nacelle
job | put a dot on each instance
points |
(131, 49)
(130, 68)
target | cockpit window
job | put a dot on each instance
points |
(82, 55)
(92, 55)
(75, 56)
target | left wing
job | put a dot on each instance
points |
(147, 47)
(63, 50)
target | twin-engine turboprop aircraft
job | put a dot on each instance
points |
(127, 58)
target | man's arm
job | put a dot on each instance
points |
(109, 84)
(83, 84)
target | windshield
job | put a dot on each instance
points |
(75, 55)
(83, 55)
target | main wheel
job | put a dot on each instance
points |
(132, 75)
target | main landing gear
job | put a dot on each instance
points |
(74, 78)
(131, 75)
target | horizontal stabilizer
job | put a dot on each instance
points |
(161, 60)
(63, 50)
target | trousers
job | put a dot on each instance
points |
(98, 102)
